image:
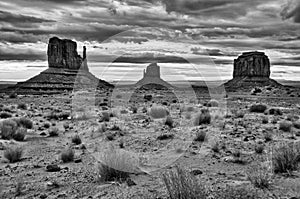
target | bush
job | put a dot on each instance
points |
(8, 129)
(200, 136)
(181, 184)
(296, 124)
(265, 120)
(20, 134)
(285, 126)
(268, 137)
(240, 114)
(67, 155)
(202, 118)
(46, 125)
(275, 111)
(76, 140)
(286, 158)
(24, 122)
(169, 122)
(13, 95)
(134, 109)
(22, 106)
(115, 165)
(148, 97)
(260, 176)
(213, 103)
(53, 132)
(258, 108)
(5, 115)
(105, 116)
(216, 147)
(259, 148)
(157, 112)
(13, 154)
(165, 136)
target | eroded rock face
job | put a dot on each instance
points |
(62, 53)
(252, 64)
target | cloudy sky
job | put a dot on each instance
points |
(209, 33)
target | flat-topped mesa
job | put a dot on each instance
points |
(152, 70)
(62, 53)
(252, 64)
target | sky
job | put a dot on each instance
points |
(210, 34)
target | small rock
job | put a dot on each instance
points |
(43, 196)
(53, 168)
(78, 160)
(43, 134)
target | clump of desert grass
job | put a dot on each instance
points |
(67, 155)
(8, 128)
(260, 176)
(158, 112)
(76, 139)
(203, 117)
(13, 154)
(200, 136)
(169, 122)
(213, 103)
(22, 106)
(286, 158)
(5, 115)
(181, 184)
(24, 122)
(53, 132)
(285, 126)
(115, 165)
(258, 108)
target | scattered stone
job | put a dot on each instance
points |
(196, 172)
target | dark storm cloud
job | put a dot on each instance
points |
(18, 18)
(292, 10)
(21, 55)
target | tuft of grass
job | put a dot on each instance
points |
(76, 139)
(265, 120)
(115, 165)
(216, 147)
(22, 106)
(169, 122)
(5, 115)
(53, 132)
(285, 126)
(235, 192)
(258, 108)
(20, 134)
(13, 154)
(105, 117)
(181, 184)
(8, 128)
(275, 111)
(296, 124)
(260, 176)
(200, 136)
(259, 148)
(67, 155)
(24, 122)
(286, 158)
(203, 117)
(268, 136)
(158, 112)
(13, 95)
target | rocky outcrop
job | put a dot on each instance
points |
(62, 53)
(252, 64)
(152, 77)
(251, 69)
(67, 71)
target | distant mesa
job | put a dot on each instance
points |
(251, 69)
(152, 77)
(67, 71)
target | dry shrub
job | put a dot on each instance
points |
(296, 124)
(158, 112)
(115, 165)
(53, 132)
(285, 126)
(22, 106)
(76, 139)
(258, 108)
(200, 136)
(275, 111)
(20, 134)
(181, 184)
(24, 122)
(169, 122)
(13, 154)
(203, 117)
(260, 176)
(8, 128)
(5, 115)
(286, 158)
(67, 155)
(235, 192)
(213, 103)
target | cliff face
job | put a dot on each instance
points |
(251, 69)
(252, 64)
(63, 54)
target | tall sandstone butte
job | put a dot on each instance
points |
(62, 53)
(66, 71)
(251, 69)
